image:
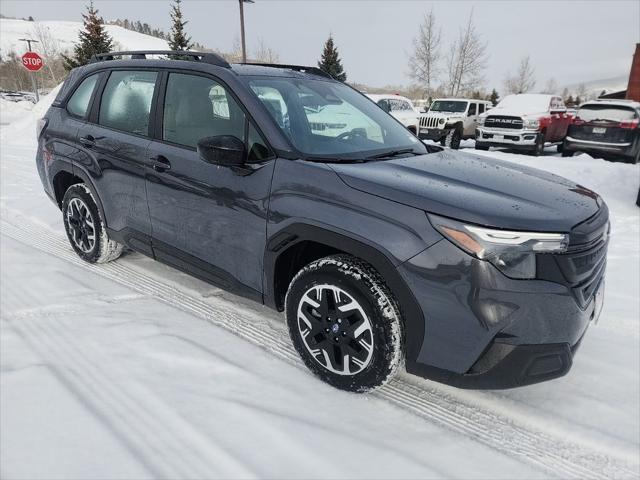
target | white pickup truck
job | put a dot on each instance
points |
(399, 107)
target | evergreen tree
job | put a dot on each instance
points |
(569, 101)
(330, 61)
(578, 101)
(92, 40)
(494, 97)
(178, 40)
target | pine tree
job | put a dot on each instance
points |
(494, 97)
(569, 101)
(92, 40)
(177, 38)
(330, 61)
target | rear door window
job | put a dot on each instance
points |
(126, 101)
(481, 108)
(78, 104)
(472, 109)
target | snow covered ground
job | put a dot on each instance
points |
(66, 36)
(135, 370)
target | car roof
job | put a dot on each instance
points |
(460, 100)
(614, 103)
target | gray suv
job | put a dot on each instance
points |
(280, 184)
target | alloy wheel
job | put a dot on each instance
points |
(81, 225)
(335, 329)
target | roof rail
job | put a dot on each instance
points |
(297, 68)
(205, 57)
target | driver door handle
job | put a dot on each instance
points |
(160, 163)
(88, 141)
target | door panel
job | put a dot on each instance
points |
(207, 216)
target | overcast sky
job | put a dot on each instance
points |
(573, 41)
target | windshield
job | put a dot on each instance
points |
(331, 120)
(454, 106)
(612, 113)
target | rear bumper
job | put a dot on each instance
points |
(625, 149)
(506, 138)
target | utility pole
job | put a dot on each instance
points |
(244, 46)
(34, 80)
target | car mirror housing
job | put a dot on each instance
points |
(226, 150)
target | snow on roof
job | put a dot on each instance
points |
(526, 102)
(460, 100)
(614, 103)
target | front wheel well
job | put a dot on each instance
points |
(290, 262)
(61, 183)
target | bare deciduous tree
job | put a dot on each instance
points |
(265, 54)
(49, 47)
(551, 87)
(423, 64)
(524, 80)
(466, 61)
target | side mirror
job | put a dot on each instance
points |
(225, 150)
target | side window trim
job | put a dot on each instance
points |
(97, 97)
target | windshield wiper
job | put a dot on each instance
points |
(392, 153)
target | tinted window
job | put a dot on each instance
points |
(78, 104)
(472, 109)
(196, 107)
(257, 147)
(481, 108)
(126, 101)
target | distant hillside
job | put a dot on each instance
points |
(65, 34)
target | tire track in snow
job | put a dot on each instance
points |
(166, 445)
(541, 449)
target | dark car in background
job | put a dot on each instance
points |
(283, 185)
(606, 128)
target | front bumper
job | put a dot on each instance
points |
(432, 133)
(485, 330)
(504, 137)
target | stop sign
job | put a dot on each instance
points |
(32, 61)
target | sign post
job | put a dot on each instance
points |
(32, 62)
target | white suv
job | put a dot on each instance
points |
(450, 120)
(399, 107)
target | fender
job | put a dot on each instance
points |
(282, 241)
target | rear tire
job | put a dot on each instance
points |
(85, 226)
(339, 308)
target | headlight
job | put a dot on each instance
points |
(532, 124)
(512, 252)
(441, 120)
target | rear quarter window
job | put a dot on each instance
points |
(78, 104)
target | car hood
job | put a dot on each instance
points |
(507, 112)
(476, 189)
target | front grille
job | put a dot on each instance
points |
(582, 267)
(501, 121)
(429, 122)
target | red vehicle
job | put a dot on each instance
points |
(525, 122)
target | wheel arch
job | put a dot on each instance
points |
(72, 175)
(299, 244)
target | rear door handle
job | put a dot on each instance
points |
(88, 141)
(160, 163)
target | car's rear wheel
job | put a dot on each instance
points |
(345, 323)
(85, 227)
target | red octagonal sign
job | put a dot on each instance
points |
(32, 61)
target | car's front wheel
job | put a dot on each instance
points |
(345, 323)
(85, 227)
(453, 138)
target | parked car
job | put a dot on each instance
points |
(610, 128)
(450, 120)
(400, 108)
(526, 122)
(381, 250)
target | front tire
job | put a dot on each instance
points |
(85, 227)
(345, 323)
(538, 149)
(453, 138)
